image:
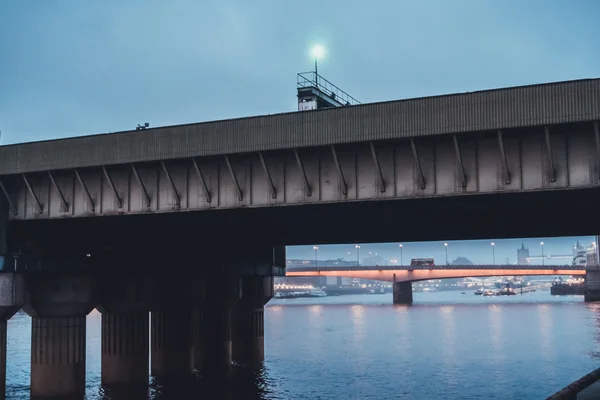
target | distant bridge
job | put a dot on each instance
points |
(410, 274)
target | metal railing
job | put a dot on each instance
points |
(570, 392)
(314, 80)
(325, 268)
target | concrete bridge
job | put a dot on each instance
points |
(403, 276)
(83, 219)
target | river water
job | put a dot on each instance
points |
(446, 346)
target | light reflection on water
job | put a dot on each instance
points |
(446, 345)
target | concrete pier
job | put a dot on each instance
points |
(12, 298)
(58, 304)
(216, 324)
(125, 308)
(248, 329)
(171, 343)
(592, 285)
(125, 346)
(403, 293)
(58, 357)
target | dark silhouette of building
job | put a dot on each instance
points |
(522, 254)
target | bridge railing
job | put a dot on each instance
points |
(326, 268)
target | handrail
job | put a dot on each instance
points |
(570, 392)
(312, 79)
(325, 268)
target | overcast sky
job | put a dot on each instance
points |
(70, 68)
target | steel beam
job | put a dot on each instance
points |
(112, 186)
(11, 205)
(415, 153)
(504, 159)
(139, 180)
(303, 172)
(172, 183)
(202, 180)
(552, 171)
(63, 200)
(39, 205)
(268, 175)
(597, 137)
(338, 166)
(377, 166)
(235, 179)
(86, 190)
(459, 161)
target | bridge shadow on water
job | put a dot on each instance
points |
(241, 384)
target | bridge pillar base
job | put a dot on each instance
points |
(248, 332)
(215, 327)
(58, 304)
(403, 293)
(171, 352)
(592, 286)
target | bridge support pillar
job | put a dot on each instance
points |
(12, 298)
(248, 330)
(592, 285)
(125, 312)
(171, 344)
(58, 304)
(216, 350)
(403, 293)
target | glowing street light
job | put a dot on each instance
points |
(401, 248)
(316, 249)
(357, 247)
(493, 253)
(318, 52)
(446, 247)
(542, 244)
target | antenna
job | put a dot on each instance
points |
(142, 127)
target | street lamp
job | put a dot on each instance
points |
(401, 248)
(493, 253)
(446, 247)
(357, 247)
(316, 248)
(542, 244)
(318, 52)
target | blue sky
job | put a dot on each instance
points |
(71, 68)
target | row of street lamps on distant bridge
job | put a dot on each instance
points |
(401, 246)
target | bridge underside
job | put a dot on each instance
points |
(422, 275)
(493, 216)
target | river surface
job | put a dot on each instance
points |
(445, 346)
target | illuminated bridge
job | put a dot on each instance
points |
(402, 276)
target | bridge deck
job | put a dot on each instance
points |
(328, 268)
(526, 106)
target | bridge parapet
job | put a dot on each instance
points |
(329, 268)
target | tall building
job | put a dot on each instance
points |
(522, 254)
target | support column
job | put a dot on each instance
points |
(403, 293)
(58, 304)
(248, 331)
(12, 298)
(125, 349)
(171, 344)
(58, 357)
(124, 305)
(592, 285)
(221, 296)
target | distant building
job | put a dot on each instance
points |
(375, 260)
(461, 261)
(522, 255)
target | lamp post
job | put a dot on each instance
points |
(493, 253)
(318, 52)
(542, 244)
(316, 249)
(357, 247)
(446, 247)
(401, 248)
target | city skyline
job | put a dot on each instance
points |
(477, 251)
